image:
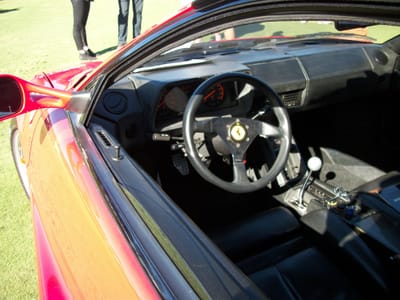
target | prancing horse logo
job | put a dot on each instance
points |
(237, 132)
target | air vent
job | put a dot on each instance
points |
(291, 99)
(380, 57)
(104, 138)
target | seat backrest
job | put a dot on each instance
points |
(262, 230)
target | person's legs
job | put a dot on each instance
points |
(137, 17)
(81, 14)
(78, 29)
(84, 18)
(123, 21)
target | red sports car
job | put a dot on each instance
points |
(241, 149)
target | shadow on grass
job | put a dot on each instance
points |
(105, 50)
(3, 11)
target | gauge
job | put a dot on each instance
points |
(176, 99)
(215, 95)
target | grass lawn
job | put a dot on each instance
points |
(17, 259)
(36, 36)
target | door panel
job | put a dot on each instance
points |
(88, 247)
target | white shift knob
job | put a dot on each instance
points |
(314, 164)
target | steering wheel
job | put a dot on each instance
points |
(237, 134)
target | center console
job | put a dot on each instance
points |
(371, 210)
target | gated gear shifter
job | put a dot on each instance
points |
(314, 164)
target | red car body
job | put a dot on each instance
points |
(49, 146)
(82, 249)
(52, 151)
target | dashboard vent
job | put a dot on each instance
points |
(292, 99)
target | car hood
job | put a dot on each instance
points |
(66, 79)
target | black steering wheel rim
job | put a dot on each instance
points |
(240, 185)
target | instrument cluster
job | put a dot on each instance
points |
(173, 99)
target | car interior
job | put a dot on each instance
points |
(282, 150)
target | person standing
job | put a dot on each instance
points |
(81, 10)
(137, 8)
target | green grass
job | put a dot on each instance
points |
(17, 262)
(36, 36)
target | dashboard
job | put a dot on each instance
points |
(151, 98)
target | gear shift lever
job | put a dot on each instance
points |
(314, 164)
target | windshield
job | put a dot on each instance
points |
(260, 36)
(293, 29)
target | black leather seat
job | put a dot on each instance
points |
(306, 259)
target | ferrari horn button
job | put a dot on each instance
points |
(237, 132)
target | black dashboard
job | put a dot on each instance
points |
(154, 96)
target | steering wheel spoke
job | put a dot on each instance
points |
(267, 130)
(211, 125)
(204, 125)
(239, 172)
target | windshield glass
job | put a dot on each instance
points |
(292, 29)
(261, 36)
(256, 34)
